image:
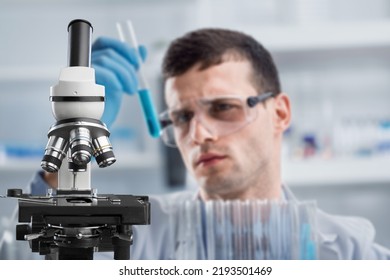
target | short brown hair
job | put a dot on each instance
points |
(212, 46)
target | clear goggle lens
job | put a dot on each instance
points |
(220, 116)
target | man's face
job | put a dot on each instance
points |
(233, 165)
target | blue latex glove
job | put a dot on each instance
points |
(115, 65)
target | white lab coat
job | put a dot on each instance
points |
(339, 237)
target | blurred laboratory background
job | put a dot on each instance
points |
(333, 57)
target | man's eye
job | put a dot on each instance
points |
(219, 107)
(181, 118)
(222, 107)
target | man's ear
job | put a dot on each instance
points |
(282, 112)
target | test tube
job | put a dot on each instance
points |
(126, 34)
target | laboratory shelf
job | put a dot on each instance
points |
(358, 171)
(26, 73)
(322, 35)
(135, 161)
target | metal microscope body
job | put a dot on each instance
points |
(76, 222)
(77, 105)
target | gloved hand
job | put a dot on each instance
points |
(115, 65)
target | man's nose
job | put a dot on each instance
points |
(201, 132)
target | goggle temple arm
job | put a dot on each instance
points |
(165, 123)
(254, 100)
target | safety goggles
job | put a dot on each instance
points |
(219, 116)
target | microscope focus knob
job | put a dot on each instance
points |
(22, 231)
(14, 192)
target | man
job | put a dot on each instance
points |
(226, 114)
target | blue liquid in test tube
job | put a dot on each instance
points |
(127, 34)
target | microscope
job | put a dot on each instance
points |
(75, 222)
